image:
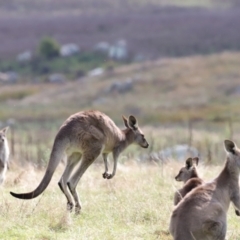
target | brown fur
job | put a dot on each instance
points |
(202, 213)
(86, 135)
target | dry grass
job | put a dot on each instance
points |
(136, 204)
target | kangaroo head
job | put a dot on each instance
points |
(3, 134)
(189, 171)
(233, 152)
(136, 133)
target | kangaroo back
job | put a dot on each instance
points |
(189, 186)
(55, 157)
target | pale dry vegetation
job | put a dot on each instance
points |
(136, 204)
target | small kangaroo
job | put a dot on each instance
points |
(86, 135)
(189, 176)
(202, 213)
(4, 154)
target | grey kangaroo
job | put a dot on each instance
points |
(4, 154)
(189, 176)
(84, 136)
(202, 213)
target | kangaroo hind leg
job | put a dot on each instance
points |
(105, 174)
(87, 159)
(215, 230)
(71, 163)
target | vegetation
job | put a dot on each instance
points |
(111, 208)
(49, 48)
(200, 88)
(150, 30)
(136, 204)
(73, 67)
(190, 100)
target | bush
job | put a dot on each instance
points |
(49, 48)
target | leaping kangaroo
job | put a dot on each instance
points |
(84, 136)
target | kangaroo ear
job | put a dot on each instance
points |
(196, 159)
(230, 146)
(125, 122)
(4, 130)
(132, 122)
(189, 163)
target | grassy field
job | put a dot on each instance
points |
(136, 204)
(191, 100)
(163, 91)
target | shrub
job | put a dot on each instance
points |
(49, 48)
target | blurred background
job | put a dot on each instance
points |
(173, 64)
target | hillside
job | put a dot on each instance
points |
(151, 28)
(166, 90)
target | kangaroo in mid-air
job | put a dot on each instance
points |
(86, 135)
(189, 176)
(4, 154)
(202, 213)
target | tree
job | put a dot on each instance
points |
(49, 48)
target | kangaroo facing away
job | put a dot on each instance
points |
(189, 176)
(4, 154)
(84, 136)
(202, 213)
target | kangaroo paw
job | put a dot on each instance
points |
(77, 210)
(110, 176)
(106, 175)
(69, 206)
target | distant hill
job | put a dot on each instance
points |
(166, 90)
(151, 28)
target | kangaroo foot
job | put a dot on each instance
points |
(69, 206)
(237, 212)
(106, 175)
(77, 210)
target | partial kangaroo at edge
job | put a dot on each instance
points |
(189, 176)
(84, 136)
(202, 213)
(4, 154)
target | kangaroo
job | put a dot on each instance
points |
(84, 136)
(4, 154)
(189, 176)
(202, 213)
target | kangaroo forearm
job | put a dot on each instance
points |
(236, 202)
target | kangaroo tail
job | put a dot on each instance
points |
(55, 158)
